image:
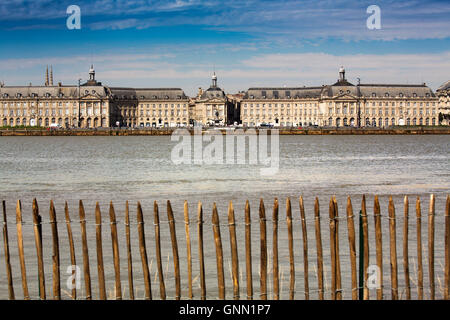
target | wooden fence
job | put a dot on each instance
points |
(359, 284)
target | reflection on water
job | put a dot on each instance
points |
(139, 168)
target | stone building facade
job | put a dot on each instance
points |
(443, 94)
(212, 107)
(94, 105)
(341, 104)
(91, 105)
(86, 105)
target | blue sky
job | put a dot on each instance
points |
(178, 43)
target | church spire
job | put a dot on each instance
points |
(46, 77)
(51, 75)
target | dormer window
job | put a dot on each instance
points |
(86, 91)
(19, 95)
(93, 91)
(275, 94)
(167, 97)
(5, 95)
(415, 95)
(288, 94)
(263, 93)
(428, 95)
(374, 94)
(47, 95)
(348, 91)
(386, 94)
(252, 97)
(142, 97)
(401, 95)
(154, 97)
(34, 95)
(341, 92)
(61, 94)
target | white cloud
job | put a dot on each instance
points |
(310, 69)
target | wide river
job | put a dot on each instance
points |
(141, 169)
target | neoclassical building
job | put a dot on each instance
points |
(443, 94)
(212, 106)
(87, 105)
(341, 104)
(91, 105)
(94, 105)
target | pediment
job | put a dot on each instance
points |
(345, 96)
(90, 96)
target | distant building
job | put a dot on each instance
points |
(444, 103)
(91, 105)
(212, 106)
(87, 105)
(341, 104)
(94, 105)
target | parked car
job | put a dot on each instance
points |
(55, 126)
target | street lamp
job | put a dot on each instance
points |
(79, 107)
(359, 104)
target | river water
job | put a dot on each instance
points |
(141, 169)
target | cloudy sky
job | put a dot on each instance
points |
(179, 43)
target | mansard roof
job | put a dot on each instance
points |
(148, 93)
(396, 90)
(333, 91)
(213, 93)
(444, 86)
(52, 91)
(283, 93)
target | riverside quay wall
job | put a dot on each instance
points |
(283, 131)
